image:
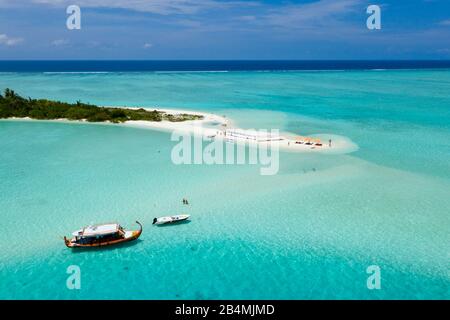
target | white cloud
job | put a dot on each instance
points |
(60, 42)
(445, 22)
(8, 41)
(163, 7)
(147, 45)
(311, 14)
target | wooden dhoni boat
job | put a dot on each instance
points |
(102, 235)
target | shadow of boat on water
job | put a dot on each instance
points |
(173, 224)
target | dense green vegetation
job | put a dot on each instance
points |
(13, 105)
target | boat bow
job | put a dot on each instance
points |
(138, 233)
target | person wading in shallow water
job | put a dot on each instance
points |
(185, 201)
(329, 143)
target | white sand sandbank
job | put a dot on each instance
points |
(220, 127)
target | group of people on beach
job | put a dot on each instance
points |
(329, 143)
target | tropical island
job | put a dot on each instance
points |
(13, 105)
(207, 125)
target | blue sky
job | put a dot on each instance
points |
(219, 29)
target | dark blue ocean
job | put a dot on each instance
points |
(212, 65)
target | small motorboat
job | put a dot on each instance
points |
(101, 235)
(171, 219)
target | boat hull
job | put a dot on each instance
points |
(129, 236)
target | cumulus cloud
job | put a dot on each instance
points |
(148, 45)
(9, 41)
(163, 7)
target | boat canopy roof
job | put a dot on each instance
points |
(97, 230)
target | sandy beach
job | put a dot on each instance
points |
(216, 126)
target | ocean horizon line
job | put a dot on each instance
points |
(227, 60)
(87, 66)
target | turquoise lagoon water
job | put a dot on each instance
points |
(308, 232)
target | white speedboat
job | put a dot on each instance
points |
(171, 219)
